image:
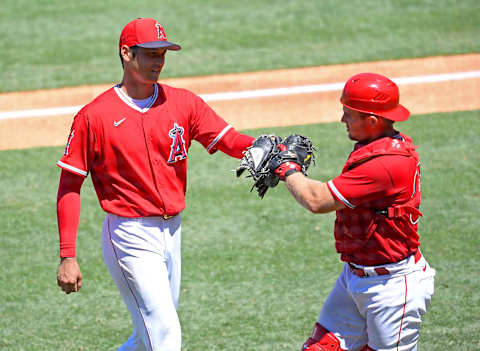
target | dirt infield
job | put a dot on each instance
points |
(258, 112)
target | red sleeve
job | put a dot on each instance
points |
(68, 211)
(211, 130)
(79, 148)
(234, 143)
(206, 126)
(367, 182)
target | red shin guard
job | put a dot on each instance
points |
(322, 340)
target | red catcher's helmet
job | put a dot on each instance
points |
(375, 94)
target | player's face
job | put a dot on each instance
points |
(357, 125)
(148, 64)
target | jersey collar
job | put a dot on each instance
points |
(129, 101)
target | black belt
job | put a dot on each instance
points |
(360, 272)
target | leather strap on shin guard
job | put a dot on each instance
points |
(322, 340)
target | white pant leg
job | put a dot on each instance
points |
(394, 308)
(384, 311)
(340, 315)
(143, 256)
(174, 261)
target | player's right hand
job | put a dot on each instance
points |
(69, 277)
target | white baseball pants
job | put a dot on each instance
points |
(144, 258)
(382, 310)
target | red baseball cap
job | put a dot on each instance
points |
(146, 33)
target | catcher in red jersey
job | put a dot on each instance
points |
(386, 284)
(133, 140)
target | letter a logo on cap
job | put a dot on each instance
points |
(160, 31)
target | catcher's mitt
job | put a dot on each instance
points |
(256, 160)
(270, 160)
(295, 156)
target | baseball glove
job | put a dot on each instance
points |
(296, 155)
(256, 160)
(270, 160)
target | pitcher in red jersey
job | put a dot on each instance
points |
(133, 140)
(386, 284)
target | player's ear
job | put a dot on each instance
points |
(373, 120)
(126, 53)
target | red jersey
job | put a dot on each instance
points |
(380, 187)
(137, 157)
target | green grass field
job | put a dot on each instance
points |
(54, 43)
(255, 272)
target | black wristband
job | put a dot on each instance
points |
(291, 171)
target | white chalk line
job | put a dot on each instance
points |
(260, 93)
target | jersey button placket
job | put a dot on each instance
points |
(150, 141)
(154, 156)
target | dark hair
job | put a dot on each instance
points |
(133, 49)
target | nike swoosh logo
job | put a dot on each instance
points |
(116, 124)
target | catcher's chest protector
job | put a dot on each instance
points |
(360, 233)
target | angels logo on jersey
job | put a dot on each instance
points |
(178, 151)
